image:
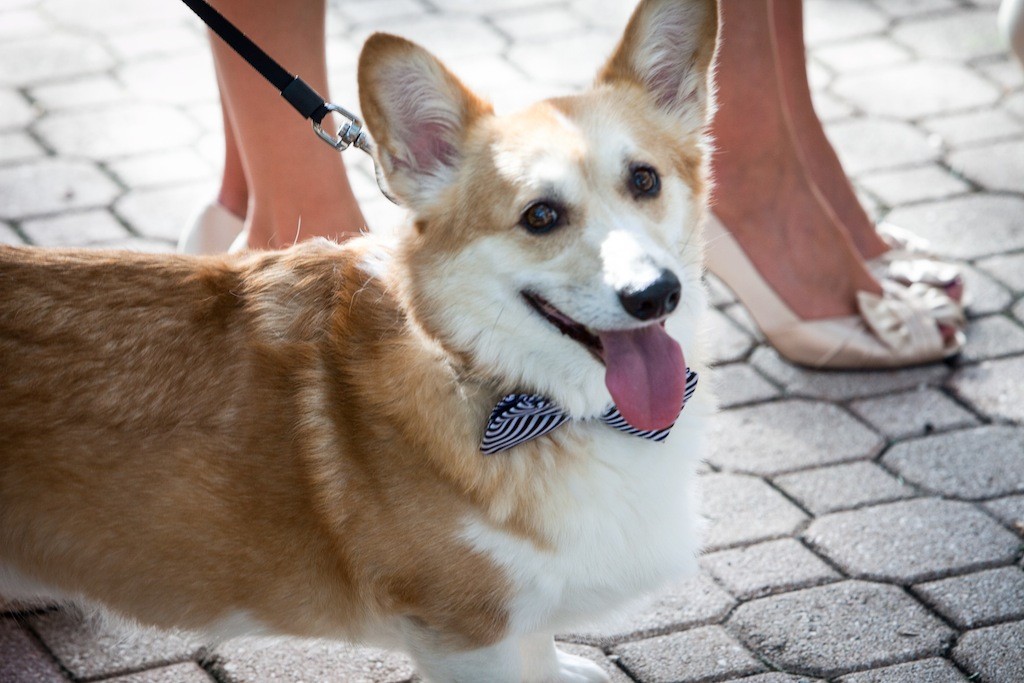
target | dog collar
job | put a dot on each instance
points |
(519, 418)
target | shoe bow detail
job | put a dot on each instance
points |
(911, 260)
(907, 320)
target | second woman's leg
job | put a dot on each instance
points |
(820, 158)
(762, 192)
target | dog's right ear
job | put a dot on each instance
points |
(667, 50)
(418, 114)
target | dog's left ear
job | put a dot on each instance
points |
(418, 113)
(667, 50)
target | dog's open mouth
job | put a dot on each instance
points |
(566, 325)
(645, 371)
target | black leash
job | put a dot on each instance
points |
(299, 94)
(307, 101)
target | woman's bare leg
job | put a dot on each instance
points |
(234, 190)
(821, 161)
(297, 185)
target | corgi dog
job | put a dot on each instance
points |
(295, 442)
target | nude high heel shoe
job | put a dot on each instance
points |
(897, 329)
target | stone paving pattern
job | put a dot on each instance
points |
(863, 526)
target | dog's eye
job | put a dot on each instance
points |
(644, 181)
(540, 218)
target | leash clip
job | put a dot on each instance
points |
(349, 134)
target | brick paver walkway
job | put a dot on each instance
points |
(863, 526)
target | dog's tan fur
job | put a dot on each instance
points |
(186, 439)
(135, 368)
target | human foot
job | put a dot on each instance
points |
(775, 214)
(805, 267)
(890, 252)
(901, 327)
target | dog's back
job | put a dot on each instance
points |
(238, 433)
(93, 344)
(148, 421)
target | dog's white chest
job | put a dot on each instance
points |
(621, 526)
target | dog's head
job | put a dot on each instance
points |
(550, 245)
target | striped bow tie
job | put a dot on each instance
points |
(518, 418)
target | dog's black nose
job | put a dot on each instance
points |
(653, 300)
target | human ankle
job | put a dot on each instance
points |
(234, 202)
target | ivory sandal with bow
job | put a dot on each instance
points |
(904, 326)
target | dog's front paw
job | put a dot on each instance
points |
(573, 669)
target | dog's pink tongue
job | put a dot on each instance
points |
(646, 375)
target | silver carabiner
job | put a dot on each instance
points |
(351, 134)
